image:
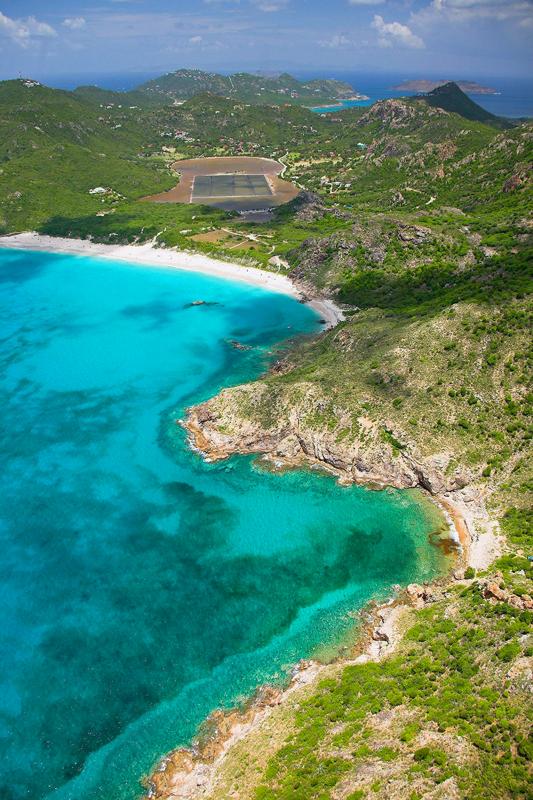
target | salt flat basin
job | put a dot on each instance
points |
(257, 183)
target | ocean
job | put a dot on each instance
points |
(141, 586)
(515, 98)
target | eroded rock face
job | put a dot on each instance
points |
(231, 423)
(492, 591)
(413, 234)
(521, 178)
(391, 112)
(513, 183)
(309, 206)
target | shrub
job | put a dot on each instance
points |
(430, 756)
(508, 651)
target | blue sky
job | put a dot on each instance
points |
(455, 38)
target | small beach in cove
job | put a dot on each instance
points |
(145, 587)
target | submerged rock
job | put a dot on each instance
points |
(196, 303)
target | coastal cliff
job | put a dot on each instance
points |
(357, 450)
(290, 429)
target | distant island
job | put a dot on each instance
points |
(424, 85)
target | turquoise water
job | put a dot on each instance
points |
(342, 105)
(141, 587)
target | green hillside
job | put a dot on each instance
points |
(186, 83)
(55, 148)
(104, 97)
(415, 215)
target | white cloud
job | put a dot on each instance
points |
(462, 10)
(74, 23)
(22, 31)
(366, 2)
(391, 33)
(195, 40)
(335, 42)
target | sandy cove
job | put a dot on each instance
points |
(150, 254)
(462, 505)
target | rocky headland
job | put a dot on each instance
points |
(230, 423)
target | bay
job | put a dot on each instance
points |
(141, 587)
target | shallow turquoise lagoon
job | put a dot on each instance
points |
(140, 587)
(342, 105)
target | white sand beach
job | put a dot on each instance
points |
(150, 254)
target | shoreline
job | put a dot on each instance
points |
(191, 772)
(339, 104)
(471, 525)
(149, 254)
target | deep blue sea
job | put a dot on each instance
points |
(141, 587)
(515, 98)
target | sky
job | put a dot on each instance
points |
(435, 38)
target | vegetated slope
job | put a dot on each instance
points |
(186, 83)
(419, 222)
(55, 148)
(103, 97)
(245, 128)
(447, 716)
(451, 98)
(427, 382)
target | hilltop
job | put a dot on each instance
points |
(451, 98)
(183, 84)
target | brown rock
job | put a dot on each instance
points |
(413, 234)
(493, 590)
